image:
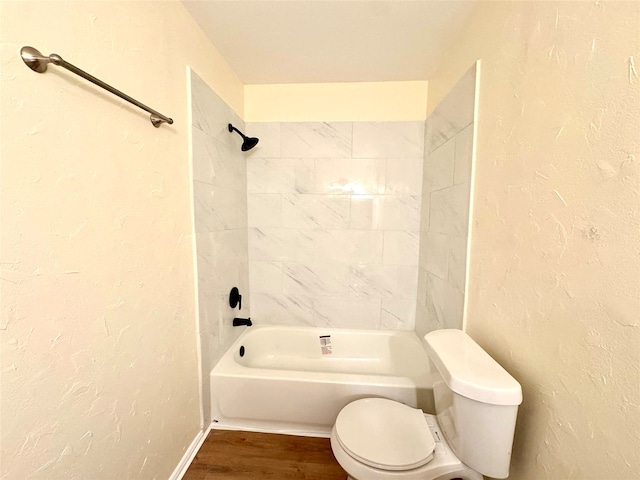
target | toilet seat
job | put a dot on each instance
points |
(385, 434)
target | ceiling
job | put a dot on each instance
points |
(319, 41)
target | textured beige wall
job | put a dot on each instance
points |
(555, 267)
(99, 363)
(336, 102)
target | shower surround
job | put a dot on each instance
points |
(220, 221)
(444, 235)
(334, 220)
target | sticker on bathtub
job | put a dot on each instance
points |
(325, 344)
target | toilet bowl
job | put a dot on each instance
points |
(471, 435)
(379, 439)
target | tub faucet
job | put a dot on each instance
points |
(237, 322)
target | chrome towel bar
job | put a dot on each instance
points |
(38, 63)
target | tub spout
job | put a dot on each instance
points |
(237, 322)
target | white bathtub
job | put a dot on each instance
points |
(285, 383)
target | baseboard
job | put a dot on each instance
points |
(189, 454)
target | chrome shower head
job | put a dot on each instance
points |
(248, 142)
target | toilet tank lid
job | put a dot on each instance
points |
(470, 371)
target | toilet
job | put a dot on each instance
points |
(471, 434)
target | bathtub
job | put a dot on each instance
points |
(296, 379)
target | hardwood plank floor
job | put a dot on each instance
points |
(233, 455)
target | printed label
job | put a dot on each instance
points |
(325, 344)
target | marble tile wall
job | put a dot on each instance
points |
(334, 220)
(220, 210)
(445, 209)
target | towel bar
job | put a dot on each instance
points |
(38, 63)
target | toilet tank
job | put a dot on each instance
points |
(476, 401)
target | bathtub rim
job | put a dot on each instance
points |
(249, 331)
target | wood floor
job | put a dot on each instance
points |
(232, 455)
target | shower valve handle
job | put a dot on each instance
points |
(235, 298)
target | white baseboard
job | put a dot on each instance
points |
(189, 454)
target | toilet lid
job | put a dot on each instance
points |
(385, 434)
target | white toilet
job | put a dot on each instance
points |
(471, 435)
